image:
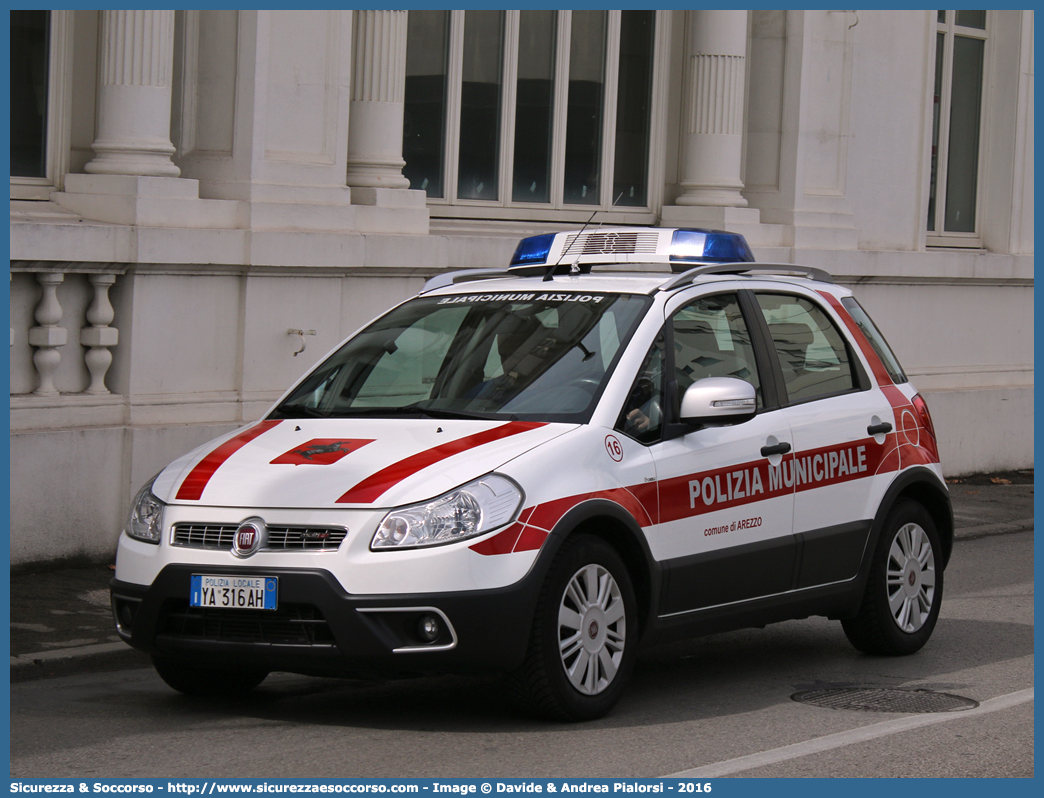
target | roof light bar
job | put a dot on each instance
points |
(584, 248)
(533, 250)
(709, 246)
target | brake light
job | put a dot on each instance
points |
(923, 415)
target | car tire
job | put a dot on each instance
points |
(584, 635)
(191, 680)
(904, 588)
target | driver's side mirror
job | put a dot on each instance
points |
(718, 400)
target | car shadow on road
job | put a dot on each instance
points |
(722, 675)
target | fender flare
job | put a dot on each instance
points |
(624, 534)
(924, 486)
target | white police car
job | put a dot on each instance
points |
(540, 469)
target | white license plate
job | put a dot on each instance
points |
(225, 591)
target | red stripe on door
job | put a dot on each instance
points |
(196, 481)
(375, 485)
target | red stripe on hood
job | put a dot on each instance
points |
(196, 481)
(375, 485)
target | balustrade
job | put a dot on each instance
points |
(51, 334)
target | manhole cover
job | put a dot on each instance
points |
(884, 699)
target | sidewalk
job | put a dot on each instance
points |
(61, 623)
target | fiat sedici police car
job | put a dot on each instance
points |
(626, 437)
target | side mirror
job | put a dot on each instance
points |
(718, 399)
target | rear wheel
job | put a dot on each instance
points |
(192, 680)
(904, 589)
(582, 645)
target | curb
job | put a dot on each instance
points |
(986, 530)
(72, 661)
(119, 656)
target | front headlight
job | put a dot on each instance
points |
(146, 517)
(474, 509)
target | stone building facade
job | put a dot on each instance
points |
(203, 203)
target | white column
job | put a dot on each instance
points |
(378, 98)
(712, 134)
(134, 95)
(48, 336)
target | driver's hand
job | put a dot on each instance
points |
(637, 419)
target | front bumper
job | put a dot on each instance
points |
(319, 629)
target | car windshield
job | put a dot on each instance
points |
(540, 356)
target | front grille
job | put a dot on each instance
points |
(280, 538)
(611, 243)
(205, 536)
(291, 624)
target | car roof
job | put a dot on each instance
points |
(614, 280)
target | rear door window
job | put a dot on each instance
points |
(812, 353)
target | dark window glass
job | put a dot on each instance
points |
(642, 415)
(812, 353)
(941, 17)
(711, 340)
(972, 19)
(933, 186)
(424, 123)
(480, 105)
(583, 145)
(634, 99)
(877, 341)
(533, 107)
(29, 57)
(962, 164)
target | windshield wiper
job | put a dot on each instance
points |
(299, 411)
(435, 412)
(351, 412)
(415, 409)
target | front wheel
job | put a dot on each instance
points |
(904, 589)
(192, 680)
(582, 645)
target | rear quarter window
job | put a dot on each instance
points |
(877, 341)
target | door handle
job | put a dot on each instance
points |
(879, 429)
(779, 448)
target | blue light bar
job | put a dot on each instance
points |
(709, 246)
(532, 250)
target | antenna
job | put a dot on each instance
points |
(573, 269)
(551, 269)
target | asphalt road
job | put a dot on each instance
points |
(690, 708)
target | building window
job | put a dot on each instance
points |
(954, 190)
(542, 110)
(534, 107)
(480, 92)
(30, 48)
(40, 79)
(424, 126)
